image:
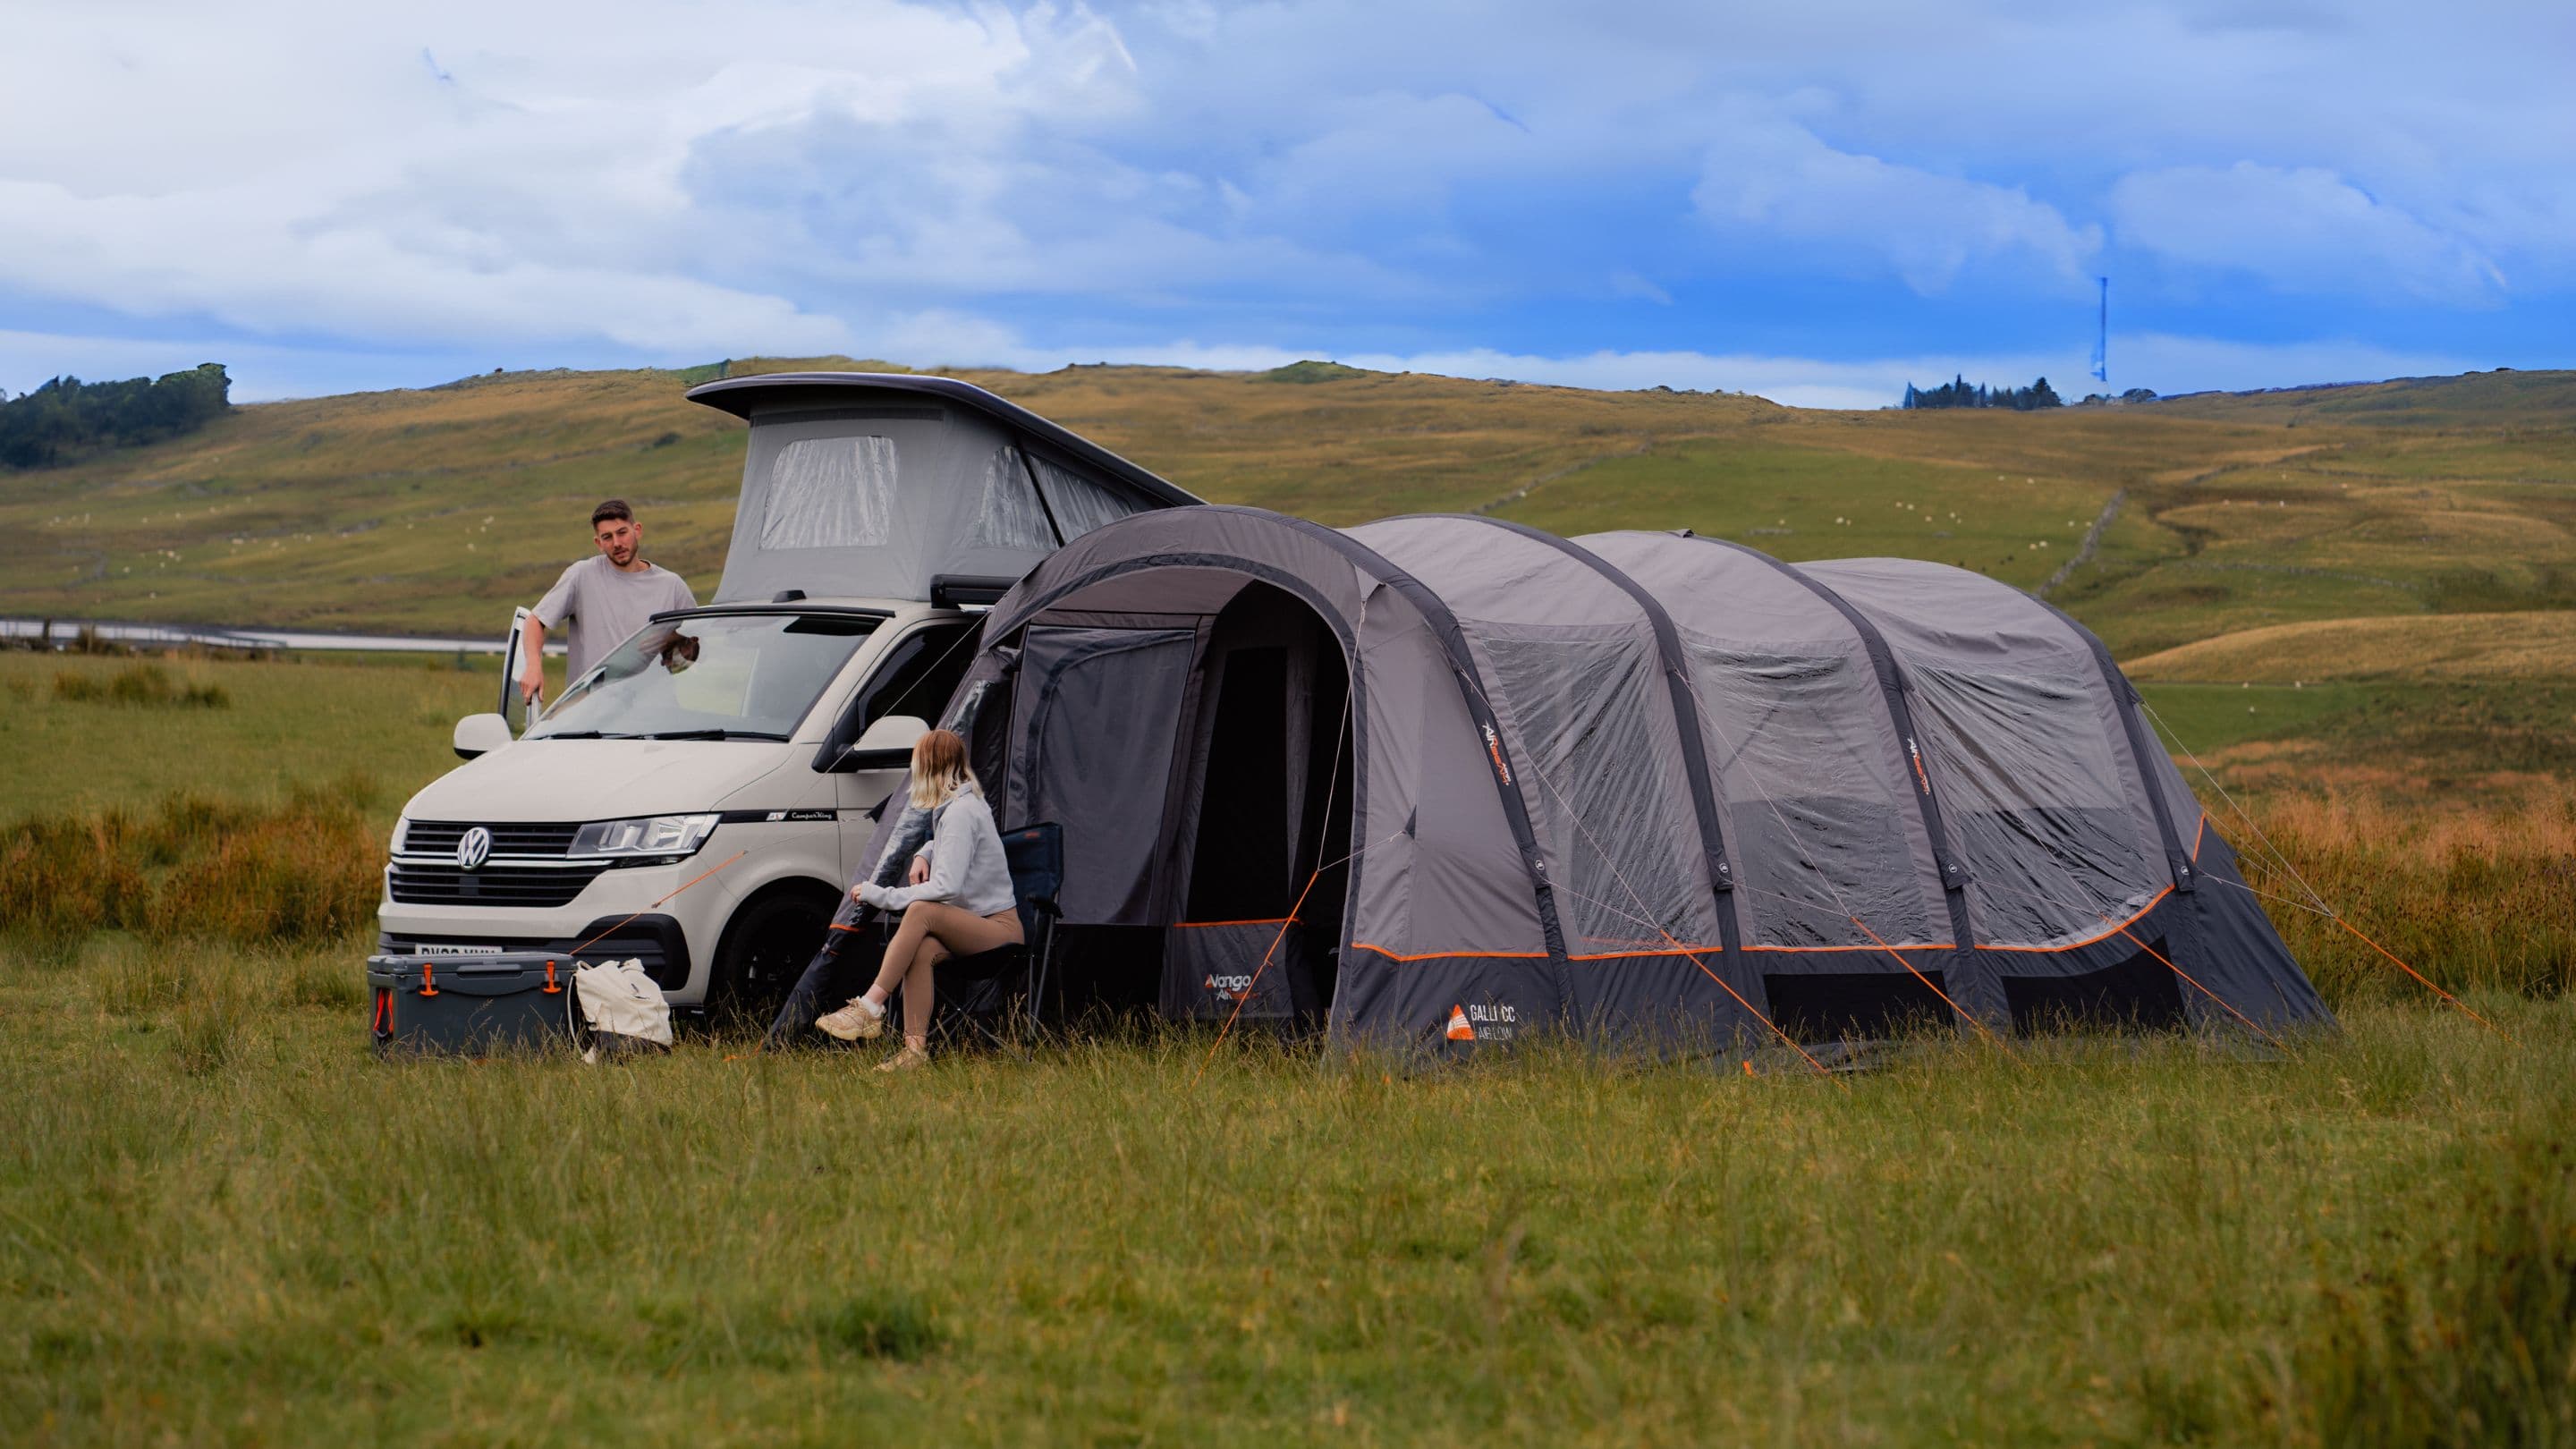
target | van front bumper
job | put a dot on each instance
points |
(657, 942)
(648, 913)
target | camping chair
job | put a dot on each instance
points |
(1035, 854)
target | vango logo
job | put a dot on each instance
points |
(1227, 988)
(1460, 1029)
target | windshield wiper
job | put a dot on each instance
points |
(711, 734)
(589, 735)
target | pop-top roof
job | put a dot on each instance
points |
(744, 396)
(875, 485)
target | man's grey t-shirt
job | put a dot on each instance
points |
(606, 604)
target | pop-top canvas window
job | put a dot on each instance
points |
(830, 493)
(1007, 514)
(1080, 504)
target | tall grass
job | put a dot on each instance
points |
(2473, 1341)
(2481, 898)
(303, 870)
(144, 685)
(224, 1220)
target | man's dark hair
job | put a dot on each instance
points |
(613, 508)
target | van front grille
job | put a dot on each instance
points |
(493, 885)
(439, 837)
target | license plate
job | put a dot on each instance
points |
(443, 948)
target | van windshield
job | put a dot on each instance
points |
(713, 676)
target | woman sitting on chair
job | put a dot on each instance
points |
(959, 903)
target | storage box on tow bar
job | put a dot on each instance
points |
(471, 1005)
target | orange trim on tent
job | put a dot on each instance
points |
(1913, 946)
(2132, 919)
(1444, 955)
(1622, 955)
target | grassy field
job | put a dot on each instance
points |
(222, 1221)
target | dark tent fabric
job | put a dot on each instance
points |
(1447, 781)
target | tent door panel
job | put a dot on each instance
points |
(1096, 717)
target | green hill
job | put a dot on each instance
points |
(437, 509)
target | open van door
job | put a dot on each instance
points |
(912, 680)
(511, 709)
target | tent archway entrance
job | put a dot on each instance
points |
(1201, 767)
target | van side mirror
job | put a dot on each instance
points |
(885, 745)
(481, 734)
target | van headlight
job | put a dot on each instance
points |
(649, 835)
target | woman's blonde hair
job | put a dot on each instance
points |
(939, 769)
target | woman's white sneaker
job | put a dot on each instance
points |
(857, 1021)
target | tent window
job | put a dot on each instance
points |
(1818, 824)
(2032, 795)
(1609, 798)
(830, 493)
(1080, 504)
(1008, 515)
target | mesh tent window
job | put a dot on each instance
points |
(1008, 514)
(1080, 505)
(1612, 804)
(2034, 800)
(1817, 819)
(830, 493)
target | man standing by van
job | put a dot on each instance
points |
(607, 598)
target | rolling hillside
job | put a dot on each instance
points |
(436, 510)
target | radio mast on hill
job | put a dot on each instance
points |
(2102, 335)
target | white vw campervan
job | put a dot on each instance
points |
(699, 799)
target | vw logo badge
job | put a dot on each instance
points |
(473, 848)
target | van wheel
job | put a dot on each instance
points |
(765, 948)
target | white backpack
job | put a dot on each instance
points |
(625, 1009)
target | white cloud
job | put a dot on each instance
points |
(218, 253)
(1778, 181)
(620, 179)
(327, 178)
(2302, 229)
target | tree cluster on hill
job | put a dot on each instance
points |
(1956, 393)
(2133, 395)
(67, 417)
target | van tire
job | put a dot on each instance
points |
(766, 945)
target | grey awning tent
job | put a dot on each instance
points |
(1448, 780)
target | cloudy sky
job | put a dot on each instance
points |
(1815, 202)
